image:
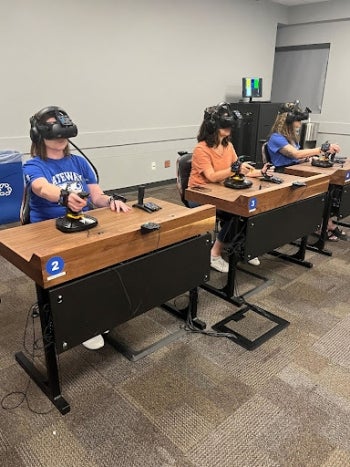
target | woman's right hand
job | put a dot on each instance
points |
(75, 203)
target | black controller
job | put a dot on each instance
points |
(151, 206)
(149, 227)
(148, 206)
(272, 179)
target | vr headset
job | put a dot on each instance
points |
(219, 116)
(62, 127)
(294, 112)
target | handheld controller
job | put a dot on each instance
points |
(271, 178)
(149, 227)
(76, 221)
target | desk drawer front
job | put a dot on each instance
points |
(91, 305)
(275, 228)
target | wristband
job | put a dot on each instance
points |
(63, 199)
(116, 197)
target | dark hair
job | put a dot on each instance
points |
(212, 139)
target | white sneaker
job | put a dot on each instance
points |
(94, 343)
(218, 263)
(254, 262)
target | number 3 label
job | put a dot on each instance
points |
(55, 265)
(252, 204)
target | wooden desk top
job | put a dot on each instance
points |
(255, 200)
(337, 175)
(33, 248)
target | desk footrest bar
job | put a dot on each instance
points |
(291, 258)
(318, 247)
(135, 355)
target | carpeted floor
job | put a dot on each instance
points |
(200, 401)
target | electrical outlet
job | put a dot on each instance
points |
(167, 164)
(154, 166)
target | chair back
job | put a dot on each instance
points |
(24, 213)
(183, 170)
(265, 156)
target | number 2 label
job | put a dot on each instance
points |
(55, 265)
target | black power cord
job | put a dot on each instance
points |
(31, 352)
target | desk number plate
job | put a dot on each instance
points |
(253, 202)
(54, 267)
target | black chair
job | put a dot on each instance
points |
(265, 156)
(24, 213)
(183, 170)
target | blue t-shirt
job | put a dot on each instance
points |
(275, 143)
(73, 172)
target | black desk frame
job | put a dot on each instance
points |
(307, 213)
(70, 313)
(337, 204)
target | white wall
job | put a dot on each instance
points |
(321, 23)
(130, 72)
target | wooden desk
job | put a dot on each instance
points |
(268, 215)
(261, 197)
(265, 216)
(117, 237)
(89, 282)
(338, 175)
(338, 198)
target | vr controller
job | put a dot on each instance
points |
(237, 181)
(270, 178)
(76, 221)
(325, 159)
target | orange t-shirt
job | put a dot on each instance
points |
(204, 157)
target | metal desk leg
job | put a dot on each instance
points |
(227, 292)
(296, 258)
(49, 383)
(319, 246)
(189, 311)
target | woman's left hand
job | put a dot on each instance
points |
(118, 206)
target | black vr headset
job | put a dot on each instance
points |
(294, 112)
(63, 127)
(219, 116)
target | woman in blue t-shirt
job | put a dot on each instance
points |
(284, 149)
(56, 176)
(283, 142)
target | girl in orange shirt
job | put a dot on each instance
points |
(213, 161)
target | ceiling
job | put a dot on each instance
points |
(297, 2)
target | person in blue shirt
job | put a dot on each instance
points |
(284, 149)
(283, 141)
(56, 176)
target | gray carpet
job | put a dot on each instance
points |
(200, 401)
